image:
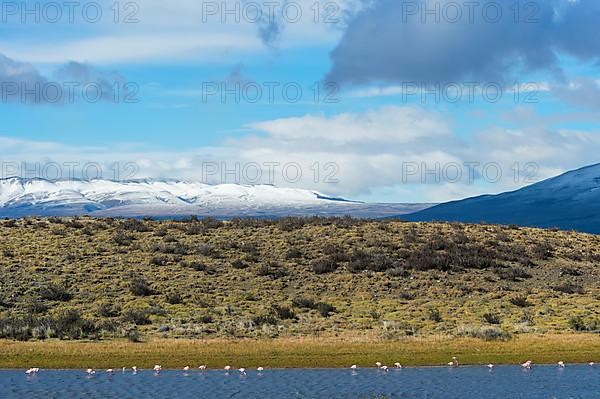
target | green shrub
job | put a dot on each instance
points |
(211, 223)
(543, 250)
(133, 335)
(239, 264)
(305, 303)
(208, 250)
(121, 238)
(324, 265)
(159, 260)
(487, 333)
(293, 253)
(173, 298)
(284, 312)
(569, 288)
(325, 309)
(512, 273)
(268, 319)
(569, 271)
(291, 223)
(137, 317)
(273, 270)
(520, 301)
(108, 310)
(135, 225)
(578, 323)
(434, 315)
(69, 324)
(492, 318)
(54, 292)
(140, 287)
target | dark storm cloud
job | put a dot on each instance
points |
(22, 82)
(84, 74)
(18, 77)
(271, 26)
(269, 32)
(390, 43)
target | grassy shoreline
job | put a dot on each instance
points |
(330, 352)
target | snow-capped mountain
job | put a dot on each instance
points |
(23, 197)
(569, 201)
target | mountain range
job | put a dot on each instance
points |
(169, 198)
(570, 201)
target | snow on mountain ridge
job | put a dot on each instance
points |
(172, 198)
(16, 191)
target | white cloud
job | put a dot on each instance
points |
(372, 155)
(138, 48)
(451, 92)
(176, 32)
(388, 124)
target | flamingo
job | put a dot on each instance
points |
(227, 368)
(186, 368)
(90, 371)
(561, 364)
(30, 371)
(242, 371)
(454, 362)
(134, 368)
(527, 364)
(260, 369)
(490, 366)
(353, 367)
(202, 367)
(398, 365)
(384, 368)
(378, 364)
(592, 364)
(157, 368)
(109, 371)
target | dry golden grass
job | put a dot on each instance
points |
(299, 352)
(422, 279)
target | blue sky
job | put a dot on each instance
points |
(377, 57)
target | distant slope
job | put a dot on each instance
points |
(570, 201)
(162, 198)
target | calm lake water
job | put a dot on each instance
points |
(432, 383)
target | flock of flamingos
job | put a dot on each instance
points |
(158, 368)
